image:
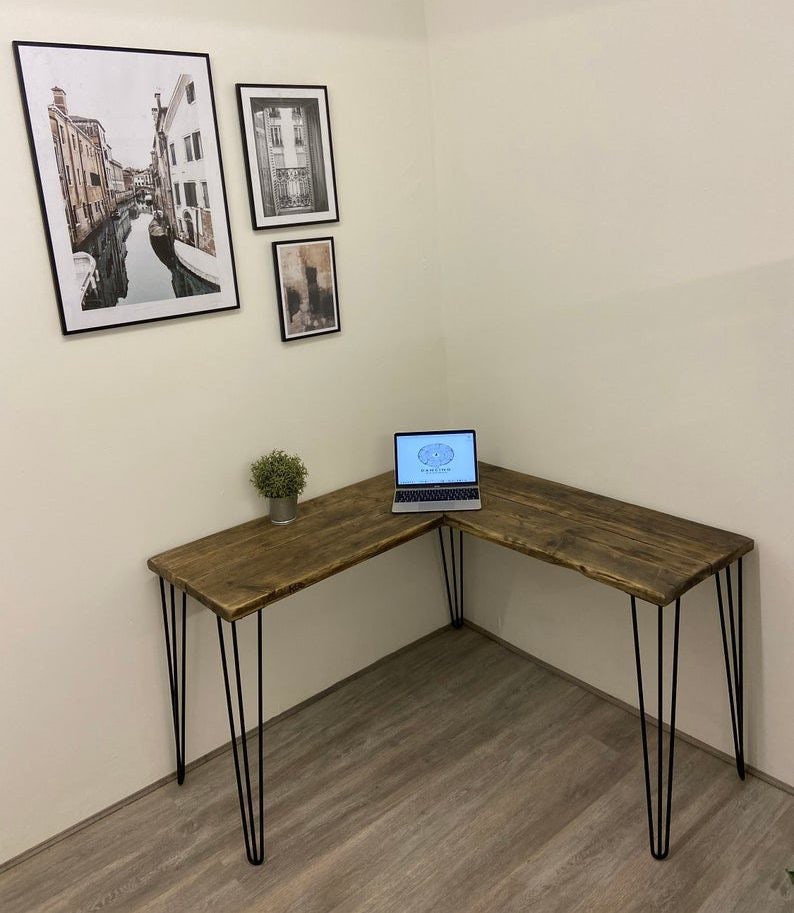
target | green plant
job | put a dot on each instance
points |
(790, 873)
(279, 475)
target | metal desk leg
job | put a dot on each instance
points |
(453, 581)
(659, 836)
(734, 671)
(175, 686)
(254, 846)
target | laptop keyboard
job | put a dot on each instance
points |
(447, 494)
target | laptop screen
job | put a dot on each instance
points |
(435, 457)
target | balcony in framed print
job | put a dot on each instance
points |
(288, 155)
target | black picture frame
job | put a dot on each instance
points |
(290, 183)
(191, 292)
(306, 306)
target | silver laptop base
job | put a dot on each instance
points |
(412, 507)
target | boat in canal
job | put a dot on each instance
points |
(161, 243)
(85, 273)
(200, 263)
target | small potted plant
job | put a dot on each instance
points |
(281, 477)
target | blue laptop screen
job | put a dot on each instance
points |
(436, 458)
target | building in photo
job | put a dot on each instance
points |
(161, 171)
(179, 152)
(116, 181)
(142, 182)
(129, 180)
(289, 156)
(81, 171)
(93, 128)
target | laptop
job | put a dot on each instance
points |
(435, 470)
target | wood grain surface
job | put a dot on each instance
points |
(456, 777)
(643, 552)
(239, 570)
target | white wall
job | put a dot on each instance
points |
(614, 231)
(116, 445)
(616, 206)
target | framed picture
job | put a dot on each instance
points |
(125, 147)
(308, 304)
(288, 155)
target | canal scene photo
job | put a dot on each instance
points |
(126, 152)
(133, 261)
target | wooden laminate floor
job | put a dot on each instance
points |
(456, 777)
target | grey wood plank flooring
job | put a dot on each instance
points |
(456, 776)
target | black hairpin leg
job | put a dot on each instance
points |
(734, 662)
(175, 663)
(454, 580)
(254, 838)
(659, 835)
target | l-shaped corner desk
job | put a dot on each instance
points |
(651, 556)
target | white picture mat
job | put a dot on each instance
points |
(127, 75)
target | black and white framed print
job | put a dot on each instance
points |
(288, 155)
(306, 287)
(126, 152)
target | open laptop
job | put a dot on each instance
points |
(435, 470)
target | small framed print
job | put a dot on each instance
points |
(126, 151)
(308, 304)
(288, 155)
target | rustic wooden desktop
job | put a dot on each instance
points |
(649, 555)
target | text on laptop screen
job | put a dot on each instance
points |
(432, 459)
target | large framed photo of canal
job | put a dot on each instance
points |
(125, 147)
(289, 157)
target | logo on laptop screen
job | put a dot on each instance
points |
(436, 455)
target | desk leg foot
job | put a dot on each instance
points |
(175, 685)
(254, 845)
(453, 580)
(734, 661)
(658, 834)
